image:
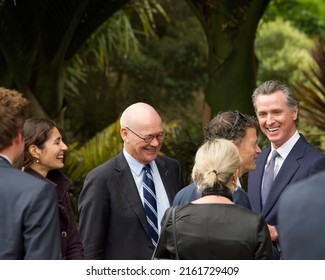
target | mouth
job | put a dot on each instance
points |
(273, 129)
(61, 158)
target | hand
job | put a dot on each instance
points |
(273, 233)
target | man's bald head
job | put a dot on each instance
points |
(139, 121)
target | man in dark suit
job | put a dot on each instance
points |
(113, 222)
(277, 111)
(28, 206)
(242, 131)
(301, 224)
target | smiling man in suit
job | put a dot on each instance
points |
(113, 220)
(277, 110)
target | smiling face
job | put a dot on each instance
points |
(143, 120)
(276, 118)
(248, 150)
(51, 156)
(137, 147)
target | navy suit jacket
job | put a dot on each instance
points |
(303, 161)
(113, 222)
(301, 222)
(190, 193)
(29, 223)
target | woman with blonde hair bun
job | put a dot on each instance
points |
(213, 227)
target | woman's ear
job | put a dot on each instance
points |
(34, 151)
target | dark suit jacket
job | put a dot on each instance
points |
(113, 223)
(190, 193)
(301, 220)
(71, 246)
(215, 231)
(303, 161)
(29, 225)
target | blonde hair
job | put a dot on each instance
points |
(216, 161)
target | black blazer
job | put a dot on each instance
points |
(215, 232)
(29, 223)
(113, 223)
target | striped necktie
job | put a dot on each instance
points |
(150, 203)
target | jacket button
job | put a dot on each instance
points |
(64, 234)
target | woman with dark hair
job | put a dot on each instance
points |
(43, 157)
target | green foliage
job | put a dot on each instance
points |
(306, 15)
(283, 52)
(182, 142)
(167, 73)
(82, 159)
(102, 146)
(47, 34)
(115, 37)
(312, 97)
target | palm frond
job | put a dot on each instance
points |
(312, 95)
(103, 146)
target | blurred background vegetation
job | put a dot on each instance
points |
(159, 52)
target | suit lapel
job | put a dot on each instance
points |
(165, 176)
(129, 189)
(285, 175)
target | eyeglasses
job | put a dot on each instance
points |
(239, 116)
(160, 137)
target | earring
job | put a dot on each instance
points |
(37, 160)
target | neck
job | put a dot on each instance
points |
(37, 168)
(218, 190)
(213, 199)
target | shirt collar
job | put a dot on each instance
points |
(134, 164)
(285, 149)
(6, 158)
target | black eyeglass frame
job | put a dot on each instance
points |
(148, 139)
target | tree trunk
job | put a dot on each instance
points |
(37, 38)
(230, 28)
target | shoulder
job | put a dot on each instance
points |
(116, 162)
(311, 187)
(22, 182)
(240, 197)
(311, 150)
(167, 160)
(187, 194)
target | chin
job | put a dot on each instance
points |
(151, 158)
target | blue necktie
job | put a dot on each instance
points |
(150, 203)
(268, 177)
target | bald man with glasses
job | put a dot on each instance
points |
(120, 211)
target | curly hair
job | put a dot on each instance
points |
(13, 112)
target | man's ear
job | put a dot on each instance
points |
(124, 134)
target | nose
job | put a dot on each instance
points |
(154, 142)
(258, 149)
(269, 119)
(64, 147)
